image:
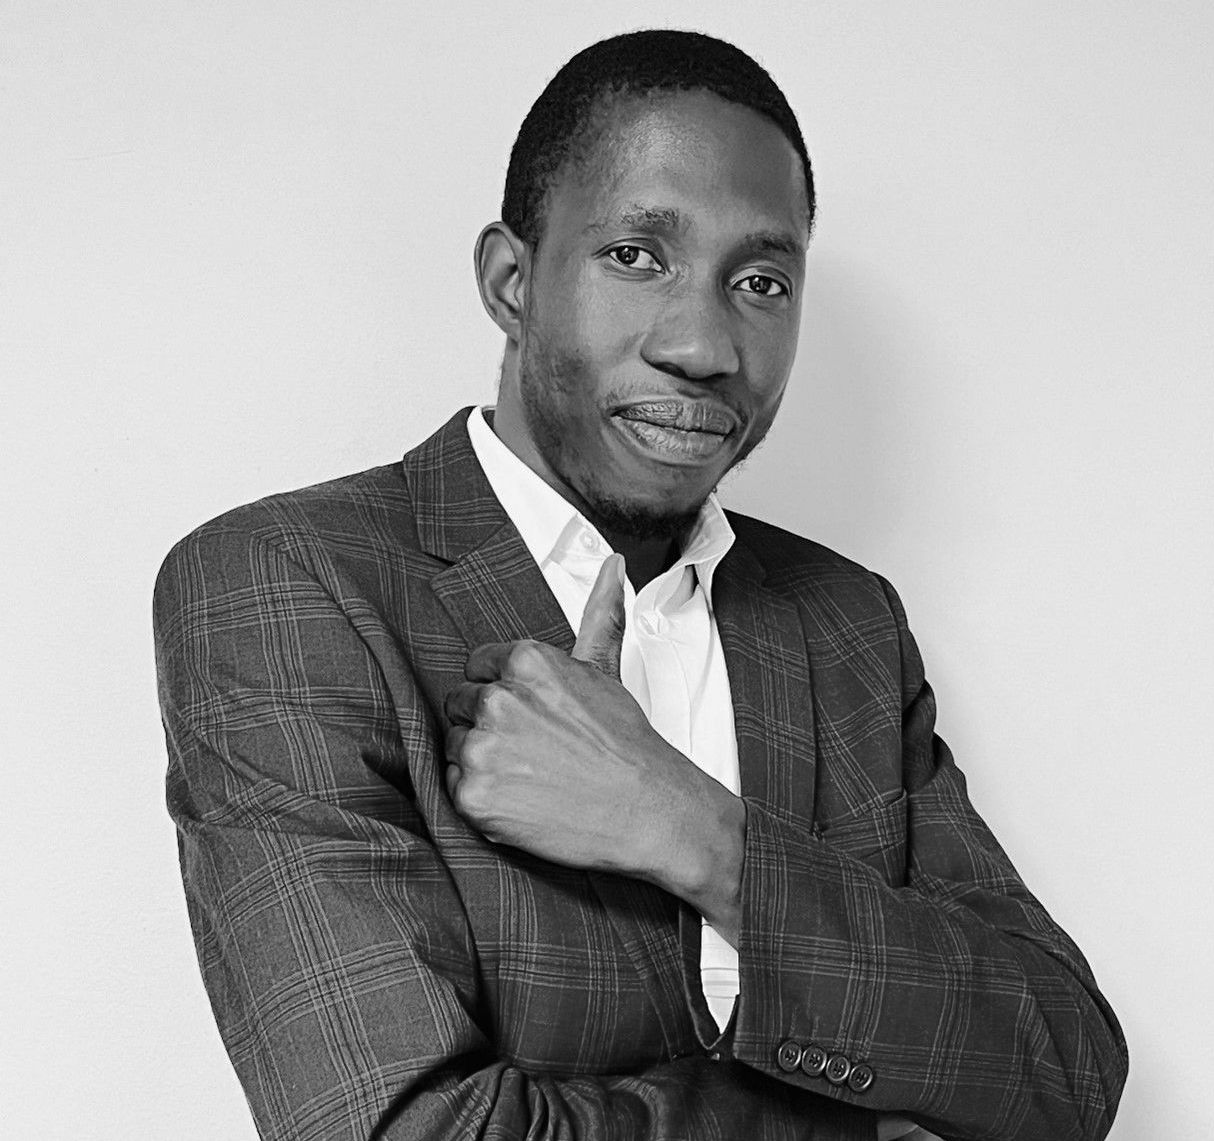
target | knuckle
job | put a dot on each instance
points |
(491, 703)
(473, 797)
(527, 659)
(479, 755)
(471, 753)
(463, 796)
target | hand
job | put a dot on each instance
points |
(550, 753)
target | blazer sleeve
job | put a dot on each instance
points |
(897, 960)
(334, 947)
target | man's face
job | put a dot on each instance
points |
(661, 314)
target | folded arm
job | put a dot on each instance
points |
(902, 939)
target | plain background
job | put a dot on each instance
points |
(235, 257)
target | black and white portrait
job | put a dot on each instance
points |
(578, 773)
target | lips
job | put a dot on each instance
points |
(676, 431)
(682, 416)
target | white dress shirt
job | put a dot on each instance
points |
(672, 662)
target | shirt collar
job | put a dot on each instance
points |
(552, 528)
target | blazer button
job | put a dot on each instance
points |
(813, 1061)
(838, 1069)
(788, 1056)
(861, 1078)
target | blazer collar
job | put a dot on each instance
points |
(454, 507)
(493, 589)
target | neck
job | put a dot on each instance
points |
(644, 559)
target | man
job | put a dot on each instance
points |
(701, 870)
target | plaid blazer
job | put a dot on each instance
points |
(378, 969)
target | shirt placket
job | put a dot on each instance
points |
(670, 700)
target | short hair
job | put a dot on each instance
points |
(636, 64)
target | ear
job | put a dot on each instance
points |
(503, 268)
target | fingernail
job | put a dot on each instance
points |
(619, 568)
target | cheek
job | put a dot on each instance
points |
(559, 346)
(770, 364)
(604, 320)
(776, 341)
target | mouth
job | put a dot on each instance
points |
(676, 430)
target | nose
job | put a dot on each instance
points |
(692, 339)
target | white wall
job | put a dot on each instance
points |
(235, 258)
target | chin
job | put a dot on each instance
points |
(641, 519)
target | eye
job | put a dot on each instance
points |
(762, 285)
(634, 258)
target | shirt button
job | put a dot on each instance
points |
(861, 1078)
(813, 1061)
(715, 1056)
(838, 1069)
(788, 1055)
(589, 541)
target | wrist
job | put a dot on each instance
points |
(702, 854)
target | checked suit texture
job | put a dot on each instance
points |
(379, 969)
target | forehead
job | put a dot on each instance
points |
(714, 161)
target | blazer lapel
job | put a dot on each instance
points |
(492, 589)
(494, 592)
(767, 659)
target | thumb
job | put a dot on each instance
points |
(602, 631)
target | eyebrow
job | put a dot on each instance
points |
(775, 242)
(640, 217)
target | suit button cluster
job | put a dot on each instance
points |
(814, 1062)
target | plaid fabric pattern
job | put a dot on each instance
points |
(377, 969)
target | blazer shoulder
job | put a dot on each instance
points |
(808, 569)
(359, 514)
(785, 554)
